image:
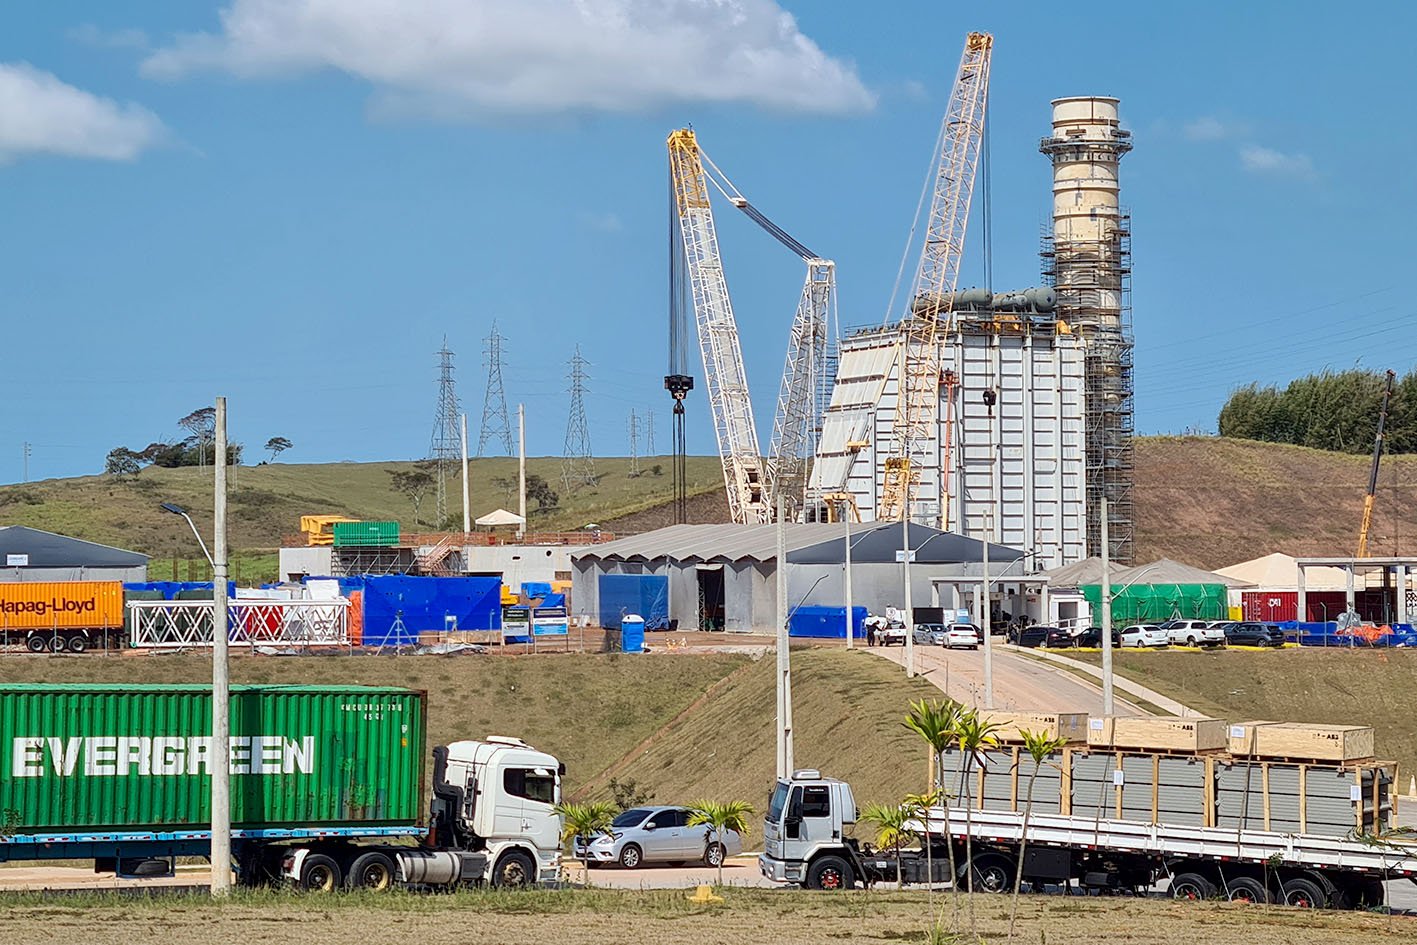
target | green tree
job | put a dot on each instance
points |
(892, 823)
(584, 820)
(719, 817)
(121, 462)
(1039, 745)
(414, 484)
(936, 723)
(975, 735)
(277, 445)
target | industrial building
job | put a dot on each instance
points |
(31, 554)
(1034, 422)
(724, 577)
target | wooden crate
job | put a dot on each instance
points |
(1301, 741)
(1243, 738)
(1069, 726)
(1167, 734)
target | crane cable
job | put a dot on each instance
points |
(930, 171)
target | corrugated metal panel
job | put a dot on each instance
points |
(82, 757)
(1270, 606)
(64, 605)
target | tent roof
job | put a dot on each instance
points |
(48, 550)
(1279, 571)
(501, 517)
(1163, 571)
(807, 543)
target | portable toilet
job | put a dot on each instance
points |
(632, 633)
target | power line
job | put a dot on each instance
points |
(577, 463)
(634, 444)
(445, 448)
(495, 425)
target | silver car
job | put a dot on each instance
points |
(643, 835)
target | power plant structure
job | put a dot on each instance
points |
(1033, 423)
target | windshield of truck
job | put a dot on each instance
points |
(630, 818)
(778, 802)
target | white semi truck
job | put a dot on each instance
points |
(805, 842)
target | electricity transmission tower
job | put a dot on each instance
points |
(577, 464)
(495, 425)
(649, 433)
(634, 444)
(445, 449)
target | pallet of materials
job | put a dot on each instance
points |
(1071, 727)
(1300, 741)
(1157, 734)
(1333, 800)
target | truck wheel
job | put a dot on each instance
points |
(1192, 886)
(36, 643)
(1303, 893)
(77, 643)
(1246, 889)
(631, 856)
(714, 855)
(514, 870)
(993, 873)
(320, 874)
(373, 871)
(830, 872)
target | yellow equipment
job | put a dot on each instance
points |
(1373, 473)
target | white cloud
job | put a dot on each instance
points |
(39, 114)
(1206, 128)
(1262, 160)
(454, 59)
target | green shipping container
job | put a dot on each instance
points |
(81, 757)
(366, 534)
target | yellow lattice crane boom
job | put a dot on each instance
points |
(1373, 473)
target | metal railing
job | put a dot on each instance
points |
(476, 539)
(178, 624)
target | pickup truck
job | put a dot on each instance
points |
(1194, 633)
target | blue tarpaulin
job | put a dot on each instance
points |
(170, 589)
(1328, 634)
(646, 595)
(533, 589)
(825, 622)
(425, 604)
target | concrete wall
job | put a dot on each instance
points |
(29, 575)
(520, 563)
(317, 561)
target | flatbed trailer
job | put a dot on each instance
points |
(805, 842)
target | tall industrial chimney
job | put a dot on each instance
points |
(1087, 257)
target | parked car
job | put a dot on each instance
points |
(963, 635)
(1030, 637)
(1247, 633)
(974, 627)
(1145, 634)
(1057, 638)
(893, 632)
(643, 835)
(1092, 637)
(1193, 633)
(929, 634)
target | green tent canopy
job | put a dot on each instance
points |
(1155, 603)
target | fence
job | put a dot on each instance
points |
(175, 624)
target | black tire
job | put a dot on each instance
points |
(77, 643)
(1303, 893)
(372, 871)
(631, 856)
(1192, 886)
(1246, 889)
(36, 643)
(1191, 641)
(831, 873)
(715, 854)
(514, 870)
(59, 644)
(992, 873)
(320, 874)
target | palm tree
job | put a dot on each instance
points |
(892, 823)
(936, 723)
(584, 820)
(975, 735)
(924, 803)
(1039, 746)
(720, 817)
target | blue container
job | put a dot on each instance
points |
(827, 622)
(632, 634)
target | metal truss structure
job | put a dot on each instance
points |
(183, 624)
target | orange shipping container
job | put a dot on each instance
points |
(64, 605)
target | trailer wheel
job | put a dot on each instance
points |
(77, 643)
(1192, 886)
(993, 873)
(320, 874)
(1303, 893)
(373, 871)
(1246, 889)
(830, 872)
(515, 869)
(36, 643)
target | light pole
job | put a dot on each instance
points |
(1106, 615)
(988, 616)
(176, 509)
(846, 537)
(784, 660)
(909, 605)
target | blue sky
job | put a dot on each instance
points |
(292, 203)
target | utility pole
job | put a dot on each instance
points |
(1106, 601)
(521, 467)
(494, 401)
(577, 464)
(444, 448)
(909, 605)
(988, 616)
(220, 757)
(466, 506)
(784, 661)
(850, 625)
(27, 461)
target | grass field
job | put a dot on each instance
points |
(683, 725)
(1352, 687)
(748, 917)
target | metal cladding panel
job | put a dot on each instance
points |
(91, 757)
(63, 605)
(1137, 769)
(1181, 772)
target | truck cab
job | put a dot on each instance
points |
(804, 837)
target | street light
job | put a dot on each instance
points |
(176, 509)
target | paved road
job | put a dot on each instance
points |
(1019, 683)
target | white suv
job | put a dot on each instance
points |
(1193, 633)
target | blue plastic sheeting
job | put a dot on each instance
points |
(425, 604)
(827, 622)
(552, 600)
(534, 589)
(632, 635)
(646, 595)
(170, 589)
(1328, 634)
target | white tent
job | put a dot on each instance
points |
(1280, 572)
(501, 517)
